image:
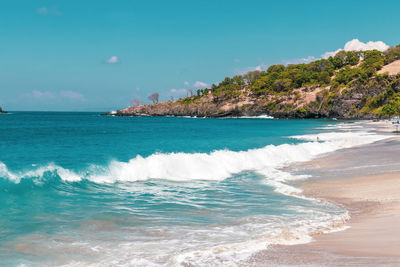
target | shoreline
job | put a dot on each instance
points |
(374, 205)
(364, 180)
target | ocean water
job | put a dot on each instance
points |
(79, 189)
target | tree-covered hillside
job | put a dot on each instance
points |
(349, 85)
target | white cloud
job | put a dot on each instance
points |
(260, 67)
(112, 60)
(199, 84)
(42, 95)
(357, 45)
(301, 60)
(72, 95)
(180, 91)
(44, 11)
(186, 83)
(327, 55)
(47, 95)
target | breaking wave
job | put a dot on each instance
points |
(217, 165)
(255, 117)
(198, 245)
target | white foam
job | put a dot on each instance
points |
(254, 117)
(222, 164)
(5, 173)
(215, 245)
(217, 165)
(222, 247)
(298, 231)
(65, 174)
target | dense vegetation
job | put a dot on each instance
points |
(347, 85)
(339, 74)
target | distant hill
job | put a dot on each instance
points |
(350, 85)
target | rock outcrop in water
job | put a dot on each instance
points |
(342, 87)
(2, 111)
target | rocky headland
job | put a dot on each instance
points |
(350, 85)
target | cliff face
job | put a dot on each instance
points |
(206, 106)
(368, 89)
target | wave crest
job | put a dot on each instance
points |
(217, 165)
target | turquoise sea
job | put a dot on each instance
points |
(80, 189)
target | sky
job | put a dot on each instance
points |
(70, 55)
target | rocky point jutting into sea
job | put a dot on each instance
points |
(2, 111)
(350, 85)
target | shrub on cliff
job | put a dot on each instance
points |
(392, 54)
(393, 107)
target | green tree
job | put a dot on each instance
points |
(393, 107)
(324, 77)
(373, 60)
(338, 60)
(352, 58)
(276, 68)
(282, 85)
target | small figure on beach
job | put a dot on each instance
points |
(317, 138)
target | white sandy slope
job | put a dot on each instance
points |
(393, 68)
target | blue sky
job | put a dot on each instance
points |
(99, 55)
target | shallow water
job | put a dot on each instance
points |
(83, 189)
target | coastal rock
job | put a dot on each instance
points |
(311, 102)
(366, 88)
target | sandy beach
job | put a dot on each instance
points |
(375, 210)
(365, 181)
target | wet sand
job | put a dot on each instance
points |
(365, 181)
